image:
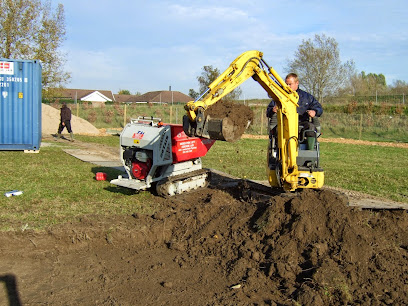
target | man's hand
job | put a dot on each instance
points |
(311, 113)
(275, 109)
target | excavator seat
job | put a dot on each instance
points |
(309, 153)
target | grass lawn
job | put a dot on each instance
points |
(58, 188)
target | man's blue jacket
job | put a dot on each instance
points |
(306, 102)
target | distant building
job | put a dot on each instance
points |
(162, 96)
(125, 98)
(96, 97)
(100, 97)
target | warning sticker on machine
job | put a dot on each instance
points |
(187, 146)
(6, 68)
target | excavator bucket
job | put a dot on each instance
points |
(222, 129)
(222, 121)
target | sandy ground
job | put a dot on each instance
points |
(51, 119)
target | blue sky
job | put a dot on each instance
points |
(145, 46)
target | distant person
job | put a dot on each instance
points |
(65, 121)
(309, 108)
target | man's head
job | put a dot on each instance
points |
(292, 81)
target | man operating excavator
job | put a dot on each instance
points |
(308, 108)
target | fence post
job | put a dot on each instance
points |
(171, 114)
(124, 115)
(361, 126)
(262, 119)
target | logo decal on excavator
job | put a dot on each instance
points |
(138, 135)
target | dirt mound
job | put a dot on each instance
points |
(217, 246)
(51, 119)
(238, 116)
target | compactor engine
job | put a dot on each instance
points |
(161, 156)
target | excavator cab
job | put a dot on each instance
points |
(307, 159)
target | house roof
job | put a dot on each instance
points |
(164, 96)
(96, 96)
(80, 94)
(125, 98)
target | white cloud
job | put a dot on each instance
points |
(145, 46)
(199, 13)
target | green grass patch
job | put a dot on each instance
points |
(60, 188)
(245, 158)
(380, 171)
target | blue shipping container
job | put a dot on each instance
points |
(20, 105)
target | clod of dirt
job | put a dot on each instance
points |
(167, 284)
(236, 118)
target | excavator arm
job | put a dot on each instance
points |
(251, 64)
(248, 64)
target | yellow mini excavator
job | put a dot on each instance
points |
(291, 165)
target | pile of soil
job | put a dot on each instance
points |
(237, 117)
(222, 245)
(51, 119)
